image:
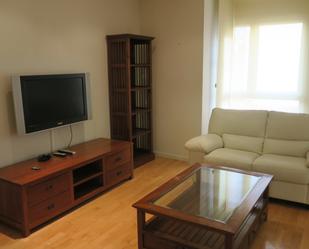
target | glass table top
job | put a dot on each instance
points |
(209, 192)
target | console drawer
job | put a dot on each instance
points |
(44, 190)
(117, 159)
(49, 208)
(118, 174)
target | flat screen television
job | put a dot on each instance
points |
(47, 101)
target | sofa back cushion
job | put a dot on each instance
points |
(238, 122)
(286, 147)
(245, 143)
(288, 126)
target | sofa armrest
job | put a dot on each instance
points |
(205, 143)
(307, 157)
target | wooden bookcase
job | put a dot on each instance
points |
(129, 74)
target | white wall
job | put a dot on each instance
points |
(177, 26)
(59, 36)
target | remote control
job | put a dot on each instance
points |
(70, 152)
(35, 168)
(59, 154)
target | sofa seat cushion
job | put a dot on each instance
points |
(231, 158)
(283, 168)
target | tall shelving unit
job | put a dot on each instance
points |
(130, 81)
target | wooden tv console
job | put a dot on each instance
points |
(28, 197)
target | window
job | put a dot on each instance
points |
(266, 68)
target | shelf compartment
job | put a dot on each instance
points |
(140, 100)
(140, 88)
(140, 52)
(140, 110)
(142, 143)
(140, 65)
(142, 149)
(139, 132)
(86, 171)
(142, 120)
(87, 179)
(88, 187)
(141, 152)
(140, 76)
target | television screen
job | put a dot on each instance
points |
(48, 101)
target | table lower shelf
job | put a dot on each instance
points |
(165, 233)
(170, 234)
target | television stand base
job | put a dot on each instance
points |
(33, 197)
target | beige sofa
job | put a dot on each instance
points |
(271, 142)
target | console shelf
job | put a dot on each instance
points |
(84, 172)
(88, 187)
(33, 197)
(88, 178)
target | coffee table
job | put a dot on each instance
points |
(204, 207)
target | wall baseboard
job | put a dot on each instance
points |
(171, 156)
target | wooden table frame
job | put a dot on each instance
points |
(231, 229)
